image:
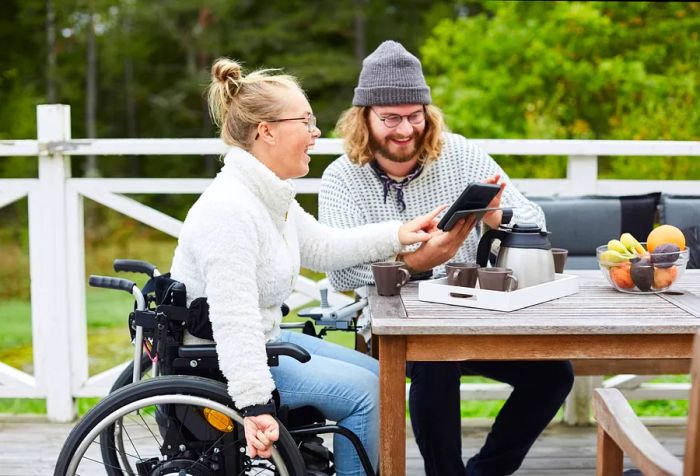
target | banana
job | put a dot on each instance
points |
(613, 256)
(631, 243)
(616, 245)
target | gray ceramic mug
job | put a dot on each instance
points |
(389, 276)
(497, 279)
(461, 274)
(559, 255)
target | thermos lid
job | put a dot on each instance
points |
(526, 228)
(527, 235)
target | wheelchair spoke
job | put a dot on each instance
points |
(132, 442)
(102, 463)
(97, 443)
(160, 443)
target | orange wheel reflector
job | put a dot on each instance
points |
(218, 420)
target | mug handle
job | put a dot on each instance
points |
(406, 277)
(513, 283)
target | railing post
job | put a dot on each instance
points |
(577, 407)
(582, 173)
(49, 264)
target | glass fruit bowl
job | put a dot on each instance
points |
(651, 273)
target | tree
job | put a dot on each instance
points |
(573, 70)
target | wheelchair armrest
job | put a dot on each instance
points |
(197, 351)
(274, 349)
(292, 325)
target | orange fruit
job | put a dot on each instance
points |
(665, 234)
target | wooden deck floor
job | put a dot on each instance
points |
(29, 446)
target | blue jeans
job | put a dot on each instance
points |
(341, 383)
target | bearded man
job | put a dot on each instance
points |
(400, 162)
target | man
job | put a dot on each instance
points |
(400, 163)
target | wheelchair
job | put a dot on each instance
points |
(169, 412)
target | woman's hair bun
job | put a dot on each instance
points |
(228, 74)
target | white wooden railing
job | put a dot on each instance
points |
(56, 238)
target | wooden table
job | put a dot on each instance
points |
(596, 323)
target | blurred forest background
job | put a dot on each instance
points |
(138, 68)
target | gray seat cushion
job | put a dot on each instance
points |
(581, 262)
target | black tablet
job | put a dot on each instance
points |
(474, 199)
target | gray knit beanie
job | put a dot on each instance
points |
(391, 75)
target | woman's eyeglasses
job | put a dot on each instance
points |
(310, 122)
(393, 120)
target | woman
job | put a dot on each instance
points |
(242, 245)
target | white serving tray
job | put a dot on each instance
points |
(437, 290)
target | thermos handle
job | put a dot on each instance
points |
(484, 248)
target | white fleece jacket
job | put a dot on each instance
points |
(242, 245)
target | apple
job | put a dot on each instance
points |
(664, 277)
(621, 276)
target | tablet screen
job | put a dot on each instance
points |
(475, 197)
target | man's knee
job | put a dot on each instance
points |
(563, 376)
(447, 372)
(555, 379)
(433, 383)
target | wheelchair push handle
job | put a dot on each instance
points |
(136, 266)
(118, 284)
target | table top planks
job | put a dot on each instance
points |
(596, 309)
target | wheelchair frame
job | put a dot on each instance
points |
(161, 325)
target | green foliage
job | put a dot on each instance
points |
(153, 58)
(572, 70)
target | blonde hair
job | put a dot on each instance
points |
(238, 103)
(354, 129)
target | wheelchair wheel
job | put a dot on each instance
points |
(127, 375)
(114, 436)
(162, 427)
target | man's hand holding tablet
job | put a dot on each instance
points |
(476, 199)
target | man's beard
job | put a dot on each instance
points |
(382, 148)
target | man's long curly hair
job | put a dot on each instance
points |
(354, 129)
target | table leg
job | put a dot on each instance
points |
(392, 397)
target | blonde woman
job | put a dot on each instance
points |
(242, 245)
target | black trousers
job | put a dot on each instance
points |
(539, 389)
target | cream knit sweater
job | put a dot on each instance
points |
(242, 245)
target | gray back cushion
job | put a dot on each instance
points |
(580, 224)
(682, 211)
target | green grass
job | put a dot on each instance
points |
(16, 323)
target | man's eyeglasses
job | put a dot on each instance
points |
(393, 120)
